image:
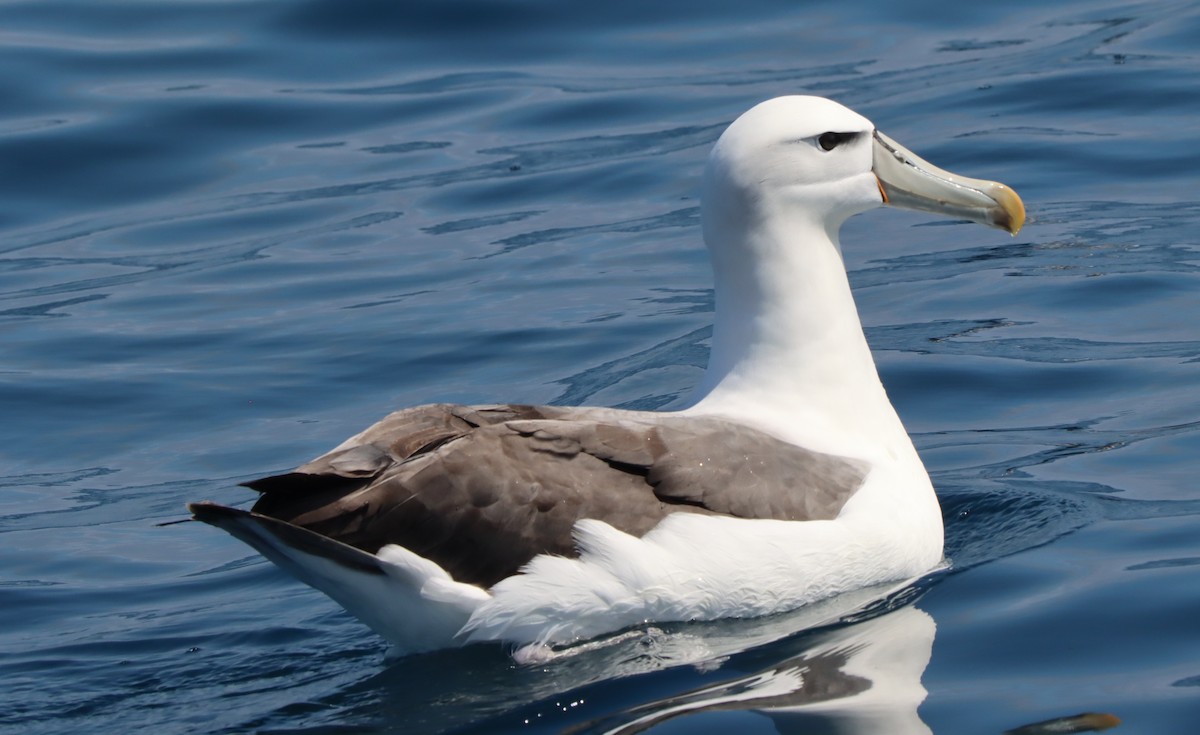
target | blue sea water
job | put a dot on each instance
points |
(234, 233)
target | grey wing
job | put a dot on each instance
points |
(718, 465)
(482, 490)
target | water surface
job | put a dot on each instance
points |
(233, 234)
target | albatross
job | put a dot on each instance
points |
(787, 479)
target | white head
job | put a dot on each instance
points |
(816, 163)
(807, 156)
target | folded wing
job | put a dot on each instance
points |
(482, 490)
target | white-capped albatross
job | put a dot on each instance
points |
(789, 478)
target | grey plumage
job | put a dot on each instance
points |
(482, 490)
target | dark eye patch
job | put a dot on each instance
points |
(829, 141)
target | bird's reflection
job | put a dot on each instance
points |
(861, 678)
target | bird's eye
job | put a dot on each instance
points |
(829, 141)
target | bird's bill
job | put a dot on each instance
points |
(910, 182)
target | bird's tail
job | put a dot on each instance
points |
(409, 600)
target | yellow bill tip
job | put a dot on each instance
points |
(1013, 209)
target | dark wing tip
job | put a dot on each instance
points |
(305, 483)
(210, 512)
(272, 537)
(273, 482)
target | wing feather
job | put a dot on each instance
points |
(483, 490)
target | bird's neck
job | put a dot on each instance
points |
(787, 342)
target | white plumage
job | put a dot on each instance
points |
(789, 359)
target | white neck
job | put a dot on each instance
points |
(788, 348)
